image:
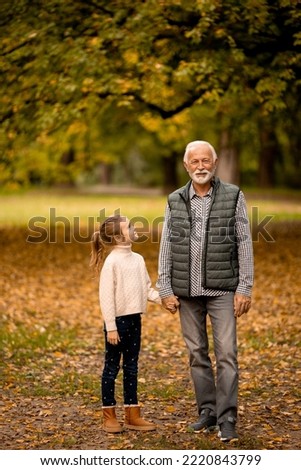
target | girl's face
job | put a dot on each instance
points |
(128, 231)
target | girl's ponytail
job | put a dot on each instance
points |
(97, 251)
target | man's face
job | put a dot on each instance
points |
(200, 164)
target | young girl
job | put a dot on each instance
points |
(124, 289)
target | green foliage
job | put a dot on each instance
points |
(67, 66)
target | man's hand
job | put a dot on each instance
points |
(171, 303)
(242, 304)
(113, 337)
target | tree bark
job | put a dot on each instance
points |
(228, 159)
(106, 173)
(66, 160)
(170, 174)
(269, 154)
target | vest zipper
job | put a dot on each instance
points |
(204, 276)
(188, 207)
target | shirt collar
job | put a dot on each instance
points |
(193, 193)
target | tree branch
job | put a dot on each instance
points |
(18, 46)
(6, 116)
(164, 113)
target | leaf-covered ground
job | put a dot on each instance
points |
(52, 353)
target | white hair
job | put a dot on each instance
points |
(195, 144)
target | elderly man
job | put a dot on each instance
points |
(206, 269)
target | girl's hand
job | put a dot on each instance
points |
(113, 337)
(171, 303)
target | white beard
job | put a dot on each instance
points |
(204, 178)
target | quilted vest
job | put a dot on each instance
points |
(220, 258)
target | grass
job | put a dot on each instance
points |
(34, 357)
(18, 209)
(26, 344)
(281, 210)
(51, 207)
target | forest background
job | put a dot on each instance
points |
(97, 91)
(98, 101)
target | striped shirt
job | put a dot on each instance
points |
(199, 213)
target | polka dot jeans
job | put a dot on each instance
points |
(129, 329)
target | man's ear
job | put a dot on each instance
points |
(185, 165)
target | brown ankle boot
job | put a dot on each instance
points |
(133, 419)
(110, 423)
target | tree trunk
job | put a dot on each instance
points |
(105, 173)
(66, 176)
(294, 179)
(170, 175)
(228, 160)
(269, 154)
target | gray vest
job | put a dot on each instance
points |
(220, 257)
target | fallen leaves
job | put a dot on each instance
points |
(52, 354)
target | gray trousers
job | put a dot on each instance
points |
(219, 393)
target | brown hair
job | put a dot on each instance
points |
(104, 238)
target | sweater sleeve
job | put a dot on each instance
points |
(152, 294)
(107, 296)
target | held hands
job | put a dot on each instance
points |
(113, 337)
(242, 304)
(171, 303)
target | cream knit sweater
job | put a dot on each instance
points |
(124, 285)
